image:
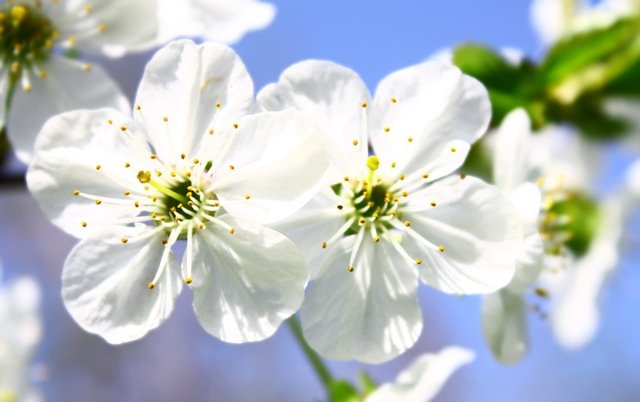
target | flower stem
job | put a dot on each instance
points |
(316, 361)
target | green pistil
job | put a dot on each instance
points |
(576, 217)
(373, 163)
(170, 193)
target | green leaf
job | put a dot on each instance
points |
(486, 65)
(343, 391)
(367, 383)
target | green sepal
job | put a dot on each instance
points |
(343, 391)
(367, 383)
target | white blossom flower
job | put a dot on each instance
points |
(424, 378)
(21, 332)
(571, 240)
(555, 19)
(223, 21)
(189, 165)
(386, 220)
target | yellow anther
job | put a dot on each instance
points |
(453, 149)
(196, 161)
(165, 241)
(376, 239)
(418, 261)
(144, 176)
(88, 8)
(110, 121)
(247, 196)
(346, 178)
(154, 215)
(425, 176)
(127, 164)
(151, 285)
(136, 204)
(210, 131)
(173, 174)
(441, 248)
(76, 192)
(124, 240)
(410, 139)
(387, 129)
(18, 13)
(235, 125)
(138, 107)
(183, 156)
(43, 74)
(393, 164)
(218, 105)
(401, 177)
(340, 207)
(462, 176)
(165, 119)
(354, 142)
(394, 100)
(407, 223)
(188, 280)
(127, 193)
(542, 292)
(433, 203)
(84, 224)
(123, 128)
(350, 268)
(102, 27)
(231, 167)
(324, 244)
(364, 104)
(86, 67)
(405, 194)
(232, 230)
(373, 163)
(98, 167)
(98, 202)
(153, 156)
(154, 198)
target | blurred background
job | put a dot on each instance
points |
(180, 362)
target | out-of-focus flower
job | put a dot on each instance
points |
(555, 19)
(189, 165)
(386, 220)
(571, 239)
(21, 332)
(217, 20)
(424, 378)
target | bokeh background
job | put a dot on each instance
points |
(180, 362)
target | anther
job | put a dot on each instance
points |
(76, 192)
(247, 196)
(418, 261)
(410, 139)
(340, 207)
(188, 280)
(124, 240)
(354, 142)
(441, 248)
(127, 164)
(387, 129)
(364, 104)
(394, 100)
(218, 105)
(324, 244)
(183, 156)
(376, 239)
(542, 292)
(151, 285)
(123, 128)
(153, 156)
(165, 119)
(407, 223)
(98, 202)
(350, 268)
(453, 149)
(126, 193)
(231, 167)
(401, 177)
(210, 131)
(393, 164)
(433, 203)
(425, 176)
(144, 176)
(98, 167)
(110, 121)
(84, 224)
(86, 67)
(232, 230)
(235, 125)
(138, 107)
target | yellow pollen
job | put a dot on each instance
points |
(127, 164)
(354, 142)
(127, 193)
(364, 104)
(98, 167)
(407, 223)
(196, 161)
(387, 129)
(324, 244)
(136, 204)
(542, 292)
(418, 261)
(102, 27)
(138, 107)
(232, 230)
(154, 198)
(453, 149)
(18, 13)
(231, 167)
(350, 268)
(441, 248)
(165, 119)
(188, 280)
(154, 215)
(124, 240)
(394, 100)
(405, 194)
(462, 176)
(84, 224)
(346, 178)
(340, 207)
(433, 203)
(211, 131)
(401, 177)
(362, 221)
(218, 105)
(183, 156)
(153, 156)
(158, 173)
(123, 128)
(173, 174)
(425, 176)
(88, 8)
(43, 74)
(247, 196)
(151, 285)
(235, 125)
(393, 164)
(376, 239)
(110, 121)
(76, 192)
(410, 139)
(98, 202)
(144, 176)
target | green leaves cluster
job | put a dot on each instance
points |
(570, 85)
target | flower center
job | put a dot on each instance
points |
(26, 36)
(570, 221)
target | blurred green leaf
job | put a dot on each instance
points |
(367, 383)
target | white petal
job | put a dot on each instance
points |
(216, 20)
(370, 315)
(480, 232)
(424, 378)
(577, 292)
(69, 148)
(67, 87)
(279, 162)
(105, 285)
(504, 324)
(245, 284)
(179, 93)
(117, 26)
(512, 148)
(432, 103)
(4, 87)
(633, 179)
(551, 18)
(333, 95)
(316, 222)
